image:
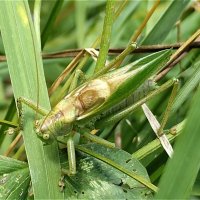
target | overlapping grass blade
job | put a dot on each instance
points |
(9, 116)
(161, 29)
(187, 89)
(181, 170)
(106, 34)
(80, 15)
(24, 59)
(56, 6)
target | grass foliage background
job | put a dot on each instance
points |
(65, 25)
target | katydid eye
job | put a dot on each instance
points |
(45, 136)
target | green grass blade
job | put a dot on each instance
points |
(106, 34)
(155, 145)
(181, 170)
(36, 20)
(187, 89)
(48, 26)
(161, 29)
(9, 116)
(80, 15)
(24, 59)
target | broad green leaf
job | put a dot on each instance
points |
(181, 170)
(8, 165)
(24, 62)
(98, 180)
(14, 178)
(15, 185)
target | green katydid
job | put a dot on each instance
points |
(96, 96)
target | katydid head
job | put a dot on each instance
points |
(57, 122)
(43, 132)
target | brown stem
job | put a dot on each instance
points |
(13, 144)
(65, 72)
(169, 67)
(114, 51)
(176, 57)
(142, 26)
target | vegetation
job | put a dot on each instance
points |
(120, 63)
